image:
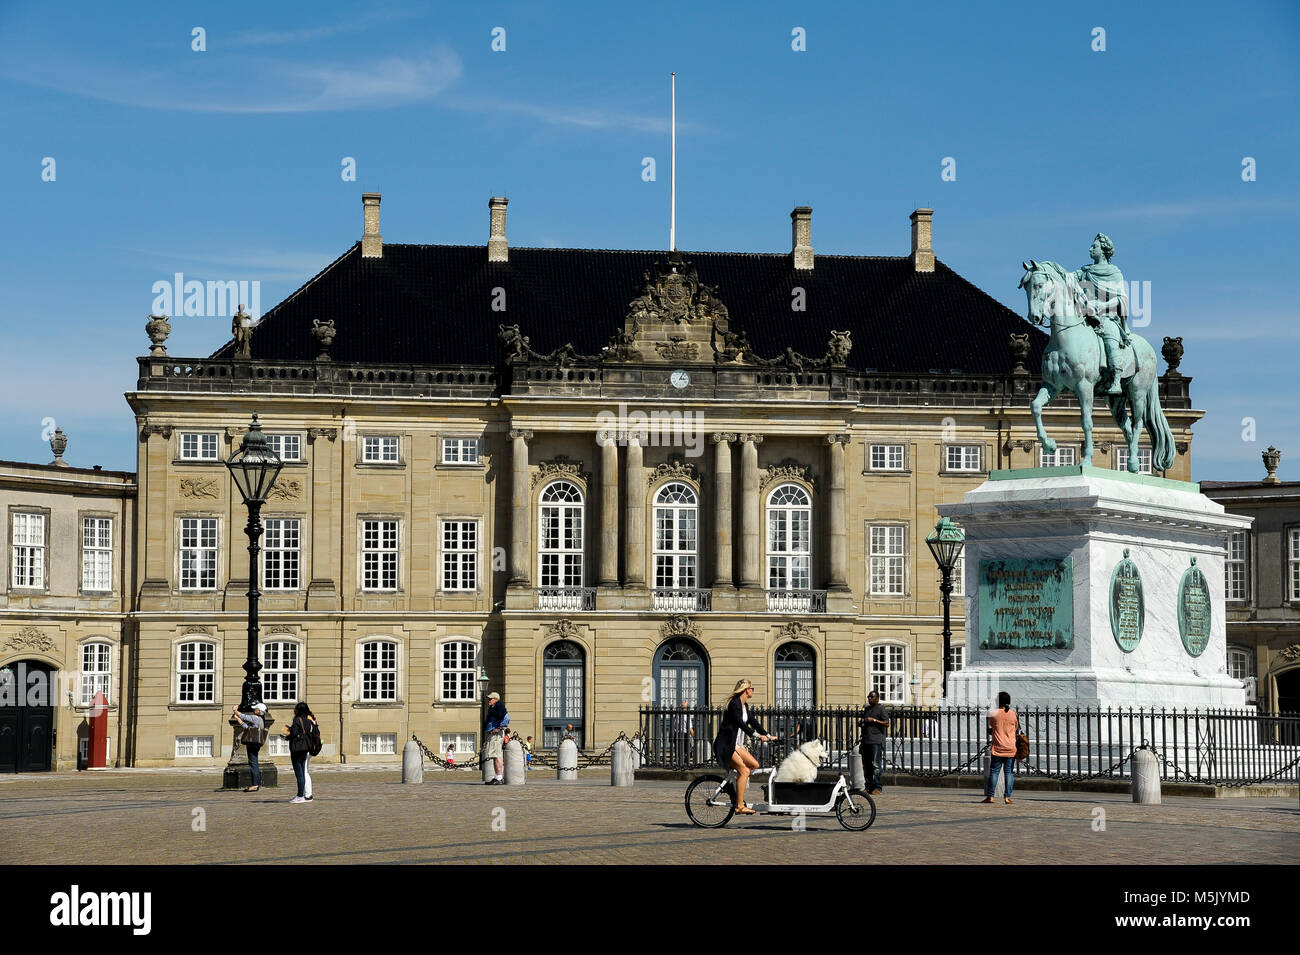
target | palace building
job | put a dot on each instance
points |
(604, 478)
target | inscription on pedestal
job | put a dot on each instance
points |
(1127, 604)
(1194, 610)
(1026, 604)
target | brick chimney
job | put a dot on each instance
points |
(498, 249)
(801, 242)
(372, 246)
(922, 250)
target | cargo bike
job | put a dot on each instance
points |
(710, 800)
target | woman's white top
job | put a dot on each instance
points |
(740, 733)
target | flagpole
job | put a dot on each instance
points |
(672, 179)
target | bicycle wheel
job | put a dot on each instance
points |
(708, 806)
(855, 810)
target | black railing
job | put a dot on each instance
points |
(1218, 747)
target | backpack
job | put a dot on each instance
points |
(1022, 746)
(313, 740)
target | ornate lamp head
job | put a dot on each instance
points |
(254, 467)
(945, 543)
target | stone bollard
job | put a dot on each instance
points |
(567, 761)
(1146, 777)
(514, 760)
(412, 763)
(622, 768)
(857, 773)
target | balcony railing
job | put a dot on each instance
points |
(566, 598)
(796, 601)
(682, 601)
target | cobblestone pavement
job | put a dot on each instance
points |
(129, 817)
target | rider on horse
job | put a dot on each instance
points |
(1102, 298)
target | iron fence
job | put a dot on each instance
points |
(1222, 747)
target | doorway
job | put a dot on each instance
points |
(26, 717)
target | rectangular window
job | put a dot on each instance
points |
(462, 745)
(96, 672)
(956, 658)
(887, 555)
(280, 557)
(1144, 459)
(379, 450)
(280, 674)
(1234, 567)
(1060, 458)
(460, 450)
(198, 553)
(197, 747)
(378, 672)
(458, 670)
(196, 673)
(958, 577)
(886, 457)
(288, 447)
(460, 555)
(96, 553)
(28, 550)
(962, 457)
(1294, 553)
(378, 744)
(276, 746)
(887, 672)
(379, 555)
(198, 446)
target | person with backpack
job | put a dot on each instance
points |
(254, 735)
(304, 743)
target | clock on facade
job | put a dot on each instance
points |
(680, 379)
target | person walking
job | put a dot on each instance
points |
(254, 735)
(873, 727)
(729, 746)
(527, 744)
(1003, 725)
(299, 733)
(493, 729)
(451, 757)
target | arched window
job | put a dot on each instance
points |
(676, 548)
(681, 675)
(794, 675)
(562, 693)
(561, 538)
(789, 539)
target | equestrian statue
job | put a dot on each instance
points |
(1093, 354)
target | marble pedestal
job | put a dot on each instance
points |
(1091, 516)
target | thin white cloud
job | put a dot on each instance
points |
(357, 23)
(1178, 209)
(253, 262)
(573, 116)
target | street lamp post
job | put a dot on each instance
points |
(945, 543)
(253, 468)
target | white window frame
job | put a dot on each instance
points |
(1293, 564)
(676, 544)
(200, 446)
(197, 551)
(100, 674)
(460, 451)
(956, 657)
(466, 745)
(884, 559)
(381, 449)
(378, 744)
(27, 565)
(97, 553)
(1144, 459)
(890, 682)
(458, 561)
(194, 744)
(283, 443)
(886, 457)
(1057, 458)
(789, 529)
(460, 668)
(281, 565)
(196, 672)
(1242, 654)
(569, 561)
(965, 454)
(958, 576)
(1236, 586)
(276, 668)
(377, 555)
(378, 692)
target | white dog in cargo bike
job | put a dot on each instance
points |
(801, 765)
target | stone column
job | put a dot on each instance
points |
(520, 511)
(722, 508)
(608, 510)
(749, 509)
(322, 591)
(634, 505)
(838, 514)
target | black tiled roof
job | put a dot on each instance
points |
(432, 304)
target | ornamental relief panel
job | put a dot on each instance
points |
(199, 487)
(788, 470)
(560, 466)
(675, 469)
(30, 638)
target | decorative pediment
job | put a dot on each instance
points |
(680, 626)
(794, 630)
(787, 470)
(559, 466)
(674, 468)
(676, 295)
(199, 487)
(562, 630)
(29, 638)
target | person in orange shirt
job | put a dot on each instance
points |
(1003, 724)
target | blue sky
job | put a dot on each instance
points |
(225, 164)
